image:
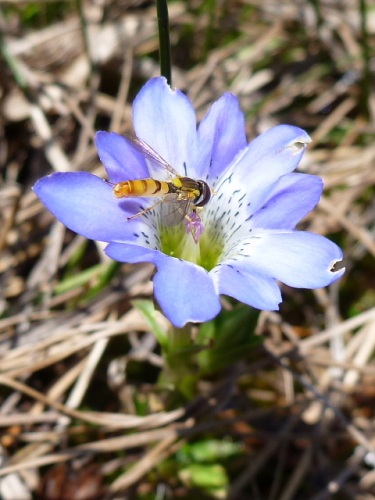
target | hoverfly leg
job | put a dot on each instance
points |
(146, 210)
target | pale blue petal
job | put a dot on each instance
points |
(184, 291)
(85, 204)
(132, 253)
(221, 136)
(294, 196)
(165, 120)
(121, 161)
(257, 169)
(253, 289)
(298, 259)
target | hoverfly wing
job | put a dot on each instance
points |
(150, 154)
(173, 209)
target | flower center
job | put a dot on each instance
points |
(176, 242)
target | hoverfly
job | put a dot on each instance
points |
(178, 196)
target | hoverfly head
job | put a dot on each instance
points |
(205, 194)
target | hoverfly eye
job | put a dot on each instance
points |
(205, 194)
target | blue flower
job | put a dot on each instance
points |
(247, 237)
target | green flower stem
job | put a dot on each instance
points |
(164, 41)
(180, 338)
(181, 371)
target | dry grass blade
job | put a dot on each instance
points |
(298, 476)
(343, 327)
(258, 462)
(161, 451)
(105, 446)
(106, 419)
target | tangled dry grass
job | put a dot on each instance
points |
(81, 422)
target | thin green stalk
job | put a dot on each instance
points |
(366, 54)
(319, 18)
(164, 41)
(85, 35)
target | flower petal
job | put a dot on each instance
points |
(85, 204)
(260, 165)
(185, 292)
(132, 254)
(165, 120)
(253, 289)
(122, 162)
(298, 259)
(294, 196)
(221, 136)
(174, 284)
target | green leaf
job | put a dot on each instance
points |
(204, 476)
(110, 270)
(152, 316)
(231, 335)
(79, 279)
(210, 450)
